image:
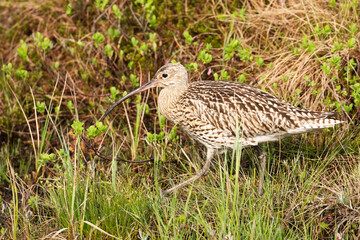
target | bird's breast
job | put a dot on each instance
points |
(168, 102)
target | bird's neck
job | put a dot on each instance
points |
(168, 98)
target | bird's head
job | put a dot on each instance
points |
(169, 75)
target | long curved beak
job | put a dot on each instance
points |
(142, 88)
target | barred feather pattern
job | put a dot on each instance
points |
(216, 113)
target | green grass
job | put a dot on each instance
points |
(63, 63)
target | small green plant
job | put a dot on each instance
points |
(98, 38)
(242, 77)
(155, 138)
(34, 201)
(275, 86)
(353, 29)
(172, 135)
(337, 46)
(149, 10)
(356, 93)
(286, 78)
(94, 131)
(7, 69)
(152, 40)
(134, 42)
(78, 128)
(224, 75)
(188, 38)
(241, 13)
(143, 48)
(45, 158)
(323, 31)
(95, 62)
(131, 64)
(335, 61)
(192, 66)
(118, 14)
(22, 74)
(101, 4)
(108, 50)
(351, 43)
(56, 64)
(57, 110)
(204, 56)
(326, 67)
(80, 43)
(114, 92)
(43, 44)
(245, 54)
(230, 49)
(315, 92)
(68, 9)
(312, 83)
(22, 51)
(134, 80)
(307, 44)
(259, 61)
(70, 105)
(113, 33)
(40, 107)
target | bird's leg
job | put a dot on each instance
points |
(262, 158)
(209, 155)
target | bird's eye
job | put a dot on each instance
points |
(165, 75)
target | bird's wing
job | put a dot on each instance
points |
(234, 106)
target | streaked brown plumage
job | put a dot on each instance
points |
(215, 112)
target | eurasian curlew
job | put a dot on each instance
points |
(216, 112)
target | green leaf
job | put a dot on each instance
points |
(224, 75)
(351, 43)
(114, 92)
(332, 3)
(337, 46)
(259, 61)
(23, 74)
(40, 107)
(92, 132)
(77, 126)
(70, 105)
(101, 4)
(353, 29)
(204, 56)
(326, 68)
(22, 50)
(192, 66)
(68, 9)
(242, 77)
(188, 37)
(7, 69)
(113, 33)
(108, 51)
(118, 14)
(144, 47)
(102, 128)
(98, 38)
(134, 42)
(134, 80)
